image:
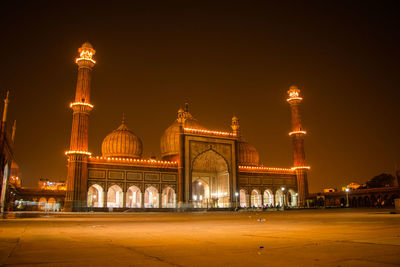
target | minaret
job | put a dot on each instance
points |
(4, 169)
(4, 119)
(182, 114)
(14, 129)
(297, 134)
(78, 154)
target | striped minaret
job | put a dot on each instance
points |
(78, 153)
(297, 134)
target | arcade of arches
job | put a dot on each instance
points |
(132, 198)
(267, 198)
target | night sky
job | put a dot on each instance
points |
(227, 58)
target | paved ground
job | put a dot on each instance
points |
(343, 237)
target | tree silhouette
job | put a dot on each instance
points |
(381, 180)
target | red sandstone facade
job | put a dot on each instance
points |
(199, 168)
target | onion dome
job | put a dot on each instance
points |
(123, 143)
(247, 154)
(170, 140)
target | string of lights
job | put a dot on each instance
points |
(80, 104)
(297, 132)
(265, 169)
(149, 162)
(208, 132)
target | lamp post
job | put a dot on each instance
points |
(347, 197)
(283, 202)
(236, 195)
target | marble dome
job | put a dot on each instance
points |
(247, 154)
(170, 139)
(123, 143)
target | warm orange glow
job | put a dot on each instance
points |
(14, 180)
(297, 132)
(265, 169)
(294, 94)
(208, 132)
(53, 186)
(77, 152)
(80, 104)
(147, 162)
(86, 55)
(301, 168)
(294, 98)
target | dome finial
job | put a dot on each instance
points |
(123, 117)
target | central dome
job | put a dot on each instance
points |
(122, 142)
(170, 139)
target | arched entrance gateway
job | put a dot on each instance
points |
(210, 181)
(115, 197)
(256, 199)
(95, 196)
(243, 199)
(291, 198)
(168, 198)
(268, 198)
(133, 197)
(151, 197)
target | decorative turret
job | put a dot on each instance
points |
(235, 126)
(297, 134)
(78, 153)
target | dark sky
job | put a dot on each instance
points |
(227, 58)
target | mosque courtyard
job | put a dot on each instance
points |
(340, 237)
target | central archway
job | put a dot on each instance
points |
(210, 181)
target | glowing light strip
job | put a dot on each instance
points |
(138, 161)
(257, 168)
(297, 132)
(81, 58)
(208, 132)
(294, 98)
(80, 104)
(77, 152)
(301, 168)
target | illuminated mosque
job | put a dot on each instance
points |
(199, 168)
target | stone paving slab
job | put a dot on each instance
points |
(341, 237)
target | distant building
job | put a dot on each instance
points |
(352, 186)
(48, 196)
(329, 190)
(46, 184)
(356, 198)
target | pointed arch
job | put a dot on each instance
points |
(151, 197)
(268, 198)
(168, 197)
(244, 203)
(133, 197)
(256, 198)
(115, 197)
